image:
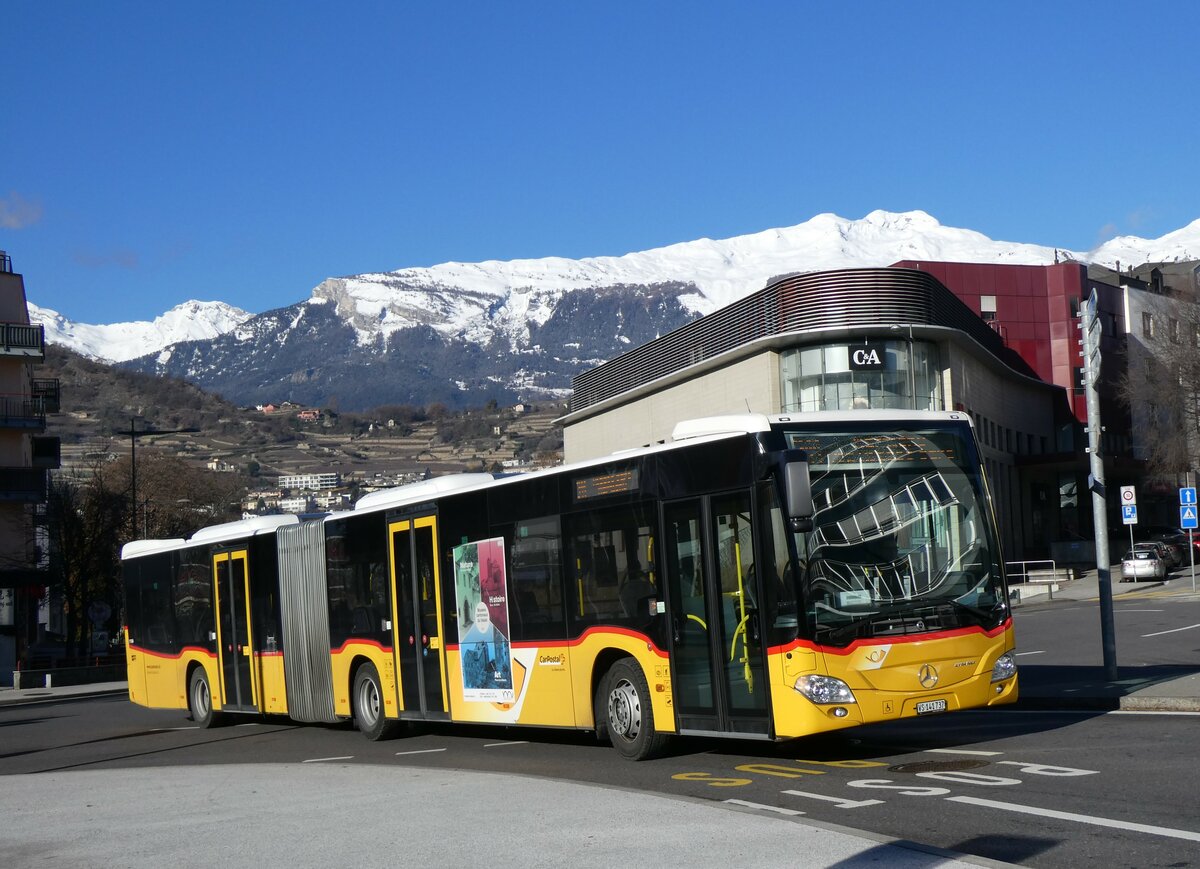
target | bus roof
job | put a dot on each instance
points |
(685, 433)
(211, 534)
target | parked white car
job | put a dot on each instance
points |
(1142, 564)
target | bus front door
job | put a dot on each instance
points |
(417, 616)
(235, 649)
(717, 660)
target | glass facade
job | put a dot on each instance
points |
(906, 377)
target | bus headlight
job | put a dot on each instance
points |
(1006, 666)
(825, 690)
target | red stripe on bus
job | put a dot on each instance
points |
(890, 641)
(541, 644)
(175, 656)
(358, 642)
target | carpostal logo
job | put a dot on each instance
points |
(552, 660)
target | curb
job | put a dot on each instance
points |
(49, 697)
(1129, 703)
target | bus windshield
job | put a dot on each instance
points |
(902, 540)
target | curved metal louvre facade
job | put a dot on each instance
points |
(805, 302)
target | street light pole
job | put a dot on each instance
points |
(133, 475)
(133, 436)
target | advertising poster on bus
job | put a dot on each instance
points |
(481, 592)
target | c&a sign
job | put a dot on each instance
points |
(867, 357)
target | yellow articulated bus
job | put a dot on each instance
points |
(755, 577)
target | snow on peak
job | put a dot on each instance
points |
(118, 342)
(1129, 250)
(485, 300)
(723, 270)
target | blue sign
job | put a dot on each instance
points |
(1187, 516)
(1187, 495)
(1129, 514)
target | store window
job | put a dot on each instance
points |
(876, 374)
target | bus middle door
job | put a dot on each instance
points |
(417, 616)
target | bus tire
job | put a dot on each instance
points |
(367, 700)
(200, 702)
(628, 717)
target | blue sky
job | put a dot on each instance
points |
(153, 152)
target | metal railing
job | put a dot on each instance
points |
(1041, 572)
(48, 391)
(18, 411)
(22, 339)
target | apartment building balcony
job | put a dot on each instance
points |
(47, 451)
(22, 485)
(21, 411)
(47, 391)
(23, 340)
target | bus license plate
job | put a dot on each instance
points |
(929, 706)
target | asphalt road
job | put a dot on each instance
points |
(1033, 787)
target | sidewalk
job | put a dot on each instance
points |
(19, 696)
(1147, 689)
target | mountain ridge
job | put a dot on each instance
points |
(465, 333)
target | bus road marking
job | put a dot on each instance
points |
(1172, 631)
(965, 750)
(841, 803)
(502, 744)
(765, 808)
(1081, 819)
(325, 759)
(420, 751)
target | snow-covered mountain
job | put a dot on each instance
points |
(191, 321)
(465, 332)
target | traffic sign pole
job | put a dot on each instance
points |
(1089, 322)
(1188, 520)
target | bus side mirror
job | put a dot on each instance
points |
(797, 488)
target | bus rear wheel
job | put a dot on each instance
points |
(367, 699)
(200, 702)
(627, 713)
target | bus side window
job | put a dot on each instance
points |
(610, 557)
(535, 584)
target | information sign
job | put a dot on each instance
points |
(1187, 516)
(1129, 514)
(1187, 495)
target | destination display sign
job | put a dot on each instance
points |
(601, 485)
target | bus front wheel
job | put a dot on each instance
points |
(627, 714)
(369, 716)
(200, 700)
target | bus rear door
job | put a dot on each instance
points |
(235, 650)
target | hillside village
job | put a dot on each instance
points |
(291, 458)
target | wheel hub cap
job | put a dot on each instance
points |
(624, 710)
